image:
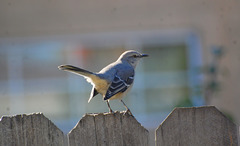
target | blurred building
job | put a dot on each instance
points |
(37, 36)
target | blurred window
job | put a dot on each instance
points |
(165, 77)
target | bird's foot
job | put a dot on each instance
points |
(129, 112)
(111, 111)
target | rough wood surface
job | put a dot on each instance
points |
(197, 127)
(29, 130)
(116, 129)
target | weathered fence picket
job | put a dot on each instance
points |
(184, 126)
(116, 129)
(202, 126)
(29, 130)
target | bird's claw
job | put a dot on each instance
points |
(111, 111)
(129, 112)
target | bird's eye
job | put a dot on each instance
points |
(135, 56)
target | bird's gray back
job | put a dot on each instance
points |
(123, 70)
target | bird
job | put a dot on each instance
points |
(114, 81)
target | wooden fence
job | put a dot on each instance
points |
(203, 126)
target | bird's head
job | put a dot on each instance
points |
(132, 57)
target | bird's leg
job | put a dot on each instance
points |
(110, 110)
(128, 110)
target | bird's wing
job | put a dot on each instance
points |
(118, 85)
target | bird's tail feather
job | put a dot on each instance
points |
(75, 70)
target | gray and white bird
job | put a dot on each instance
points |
(114, 80)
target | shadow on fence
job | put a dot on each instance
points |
(184, 126)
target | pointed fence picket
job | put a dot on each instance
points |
(201, 126)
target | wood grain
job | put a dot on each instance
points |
(197, 126)
(118, 129)
(29, 130)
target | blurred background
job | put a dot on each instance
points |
(193, 47)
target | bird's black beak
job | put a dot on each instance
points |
(144, 55)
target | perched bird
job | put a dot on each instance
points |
(114, 80)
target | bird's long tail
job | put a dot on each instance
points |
(76, 70)
(90, 76)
